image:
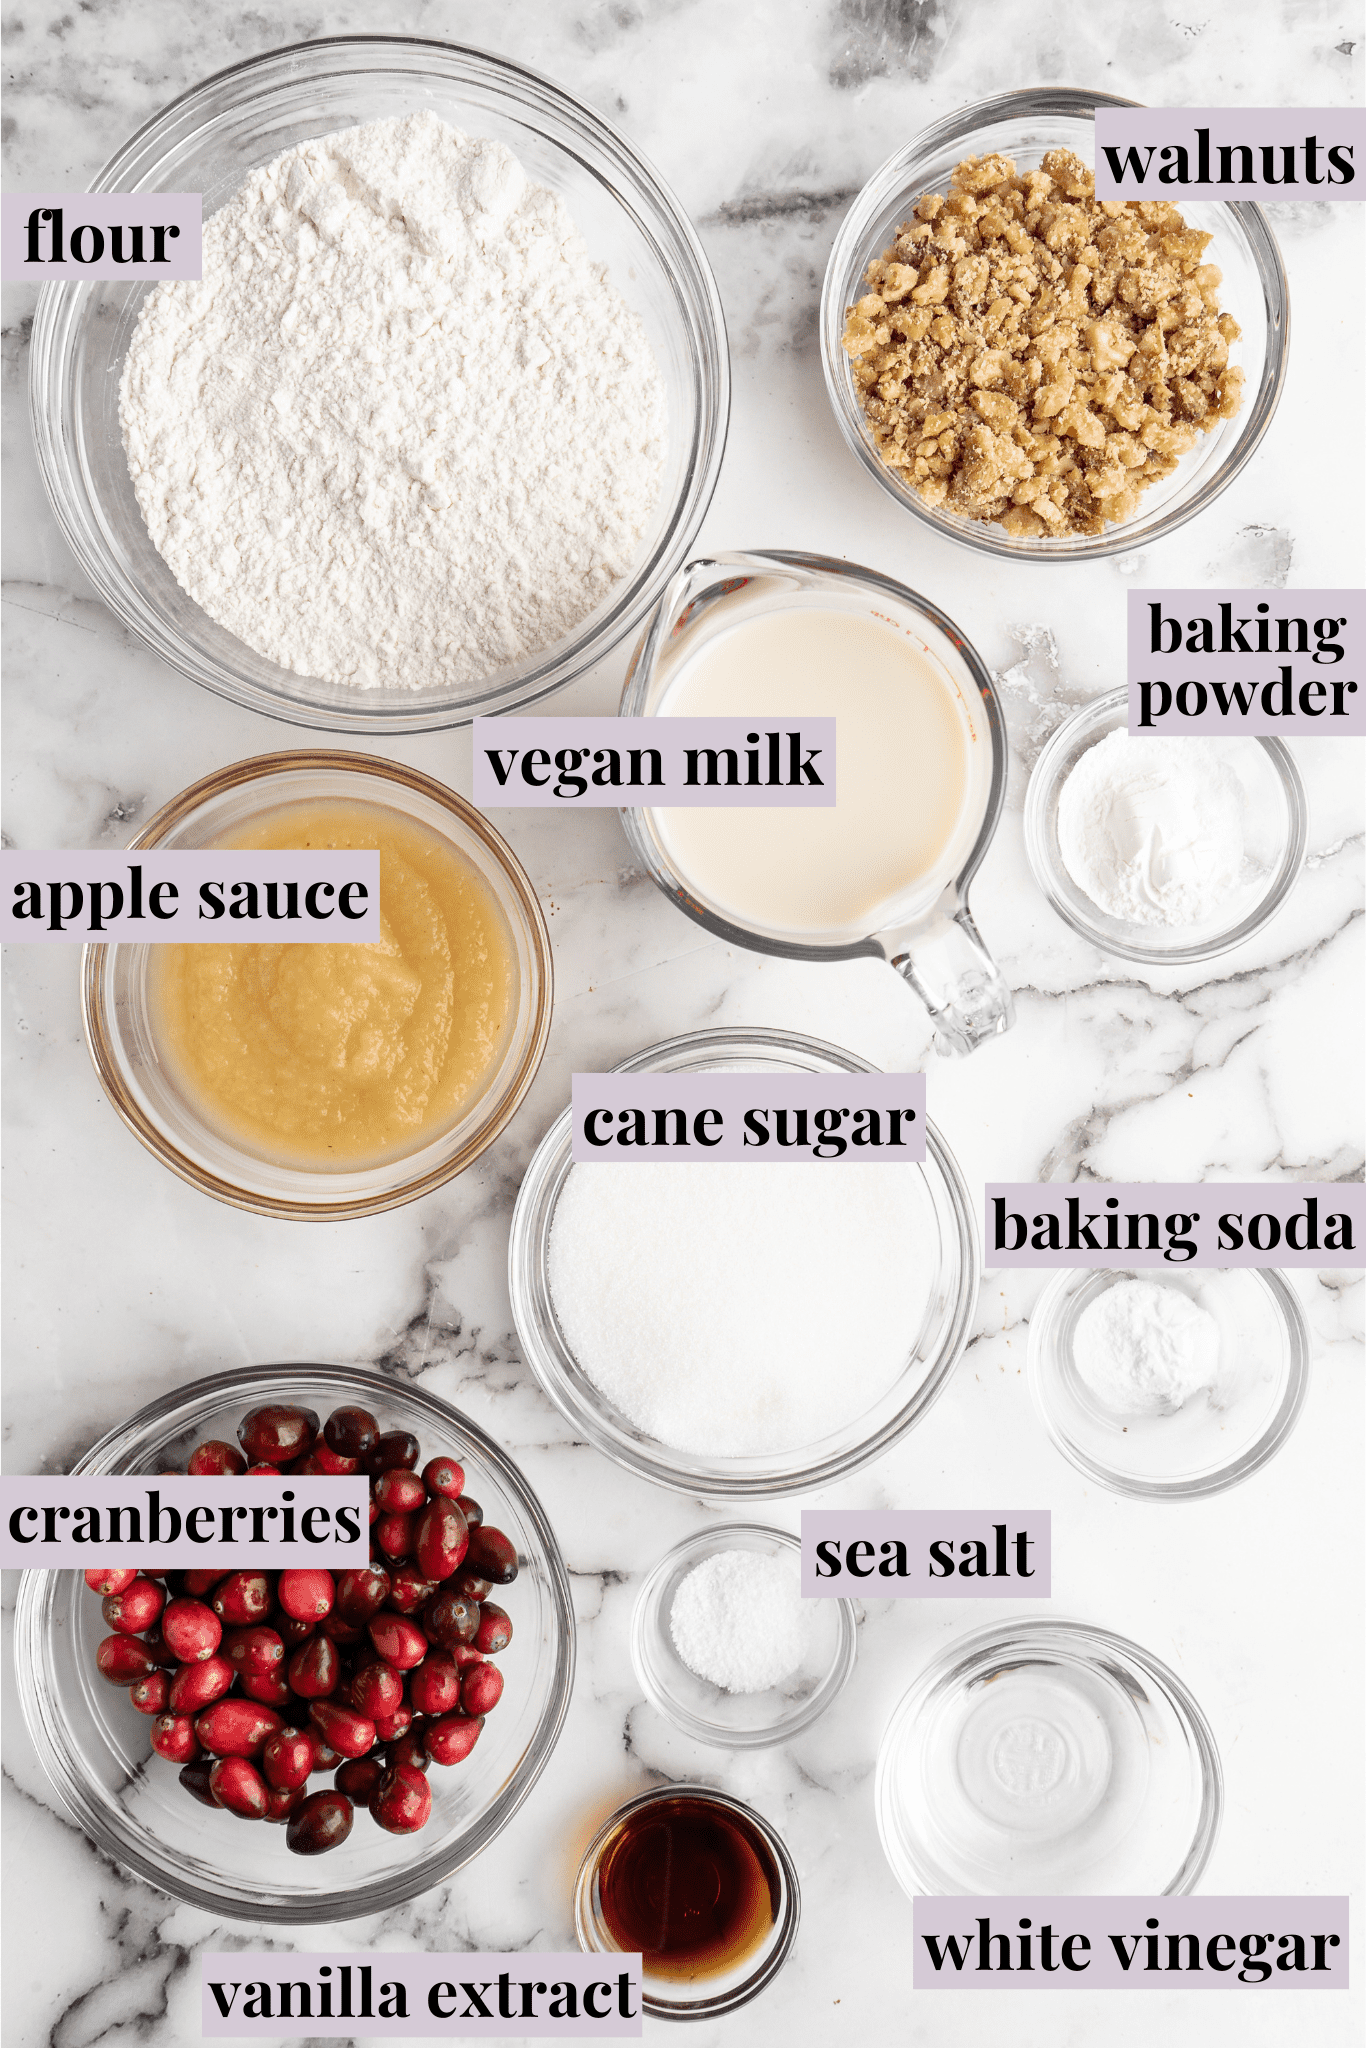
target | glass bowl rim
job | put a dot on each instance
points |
(37, 1591)
(651, 1464)
(1092, 718)
(74, 504)
(714, 1733)
(786, 1930)
(1041, 1370)
(1072, 1640)
(1248, 220)
(97, 966)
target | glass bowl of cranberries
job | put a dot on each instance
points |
(375, 1728)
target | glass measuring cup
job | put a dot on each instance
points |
(926, 930)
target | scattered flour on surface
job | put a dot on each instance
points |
(403, 432)
(738, 1620)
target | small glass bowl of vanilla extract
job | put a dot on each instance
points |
(701, 1887)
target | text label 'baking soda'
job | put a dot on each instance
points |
(927, 1553)
(526, 1996)
(1181, 153)
(213, 898)
(67, 237)
(1268, 662)
(582, 763)
(759, 1118)
(172, 1521)
(1125, 1944)
(1131, 1224)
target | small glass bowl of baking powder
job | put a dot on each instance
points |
(208, 141)
(708, 1712)
(1275, 827)
(1180, 1449)
(1047, 1757)
(1025, 125)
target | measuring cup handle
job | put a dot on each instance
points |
(955, 977)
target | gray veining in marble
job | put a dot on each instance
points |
(121, 1282)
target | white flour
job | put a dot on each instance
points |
(1144, 1349)
(403, 432)
(1152, 829)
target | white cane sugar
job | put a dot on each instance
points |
(742, 1311)
(738, 1620)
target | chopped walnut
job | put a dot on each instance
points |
(1028, 354)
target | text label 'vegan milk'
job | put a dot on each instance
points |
(903, 742)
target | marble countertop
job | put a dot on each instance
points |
(121, 1282)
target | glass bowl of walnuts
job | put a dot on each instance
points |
(1033, 372)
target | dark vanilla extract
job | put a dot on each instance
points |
(690, 1884)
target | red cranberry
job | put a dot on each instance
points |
(396, 1724)
(242, 1598)
(287, 1759)
(236, 1727)
(271, 1688)
(443, 1476)
(403, 1800)
(399, 1492)
(195, 1779)
(495, 1629)
(361, 1594)
(395, 1535)
(410, 1749)
(277, 1432)
(377, 1691)
(199, 1582)
(123, 1660)
(254, 1652)
(480, 1689)
(158, 1649)
(471, 1510)
(151, 1694)
(196, 1686)
(434, 1686)
(290, 1631)
(441, 1539)
(492, 1555)
(351, 1432)
(315, 1669)
(399, 1641)
(344, 1634)
(191, 1629)
(134, 1609)
(324, 1459)
(320, 1822)
(450, 1618)
(103, 1578)
(396, 1447)
(283, 1800)
(325, 1758)
(408, 1590)
(174, 1738)
(239, 1786)
(342, 1728)
(450, 1740)
(215, 1459)
(466, 1581)
(358, 1778)
(307, 1595)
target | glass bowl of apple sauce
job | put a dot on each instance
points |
(296, 1084)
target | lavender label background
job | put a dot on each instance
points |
(1157, 128)
(671, 738)
(420, 1975)
(187, 871)
(1247, 669)
(733, 1095)
(105, 211)
(1205, 1202)
(184, 1493)
(1100, 1918)
(918, 1528)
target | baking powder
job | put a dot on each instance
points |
(1152, 829)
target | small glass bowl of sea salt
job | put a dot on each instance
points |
(729, 1600)
(1163, 850)
(1169, 1386)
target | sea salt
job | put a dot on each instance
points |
(738, 1620)
(742, 1311)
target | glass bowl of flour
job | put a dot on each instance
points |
(740, 1330)
(724, 1645)
(1163, 850)
(1169, 1386)
(438, 425)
